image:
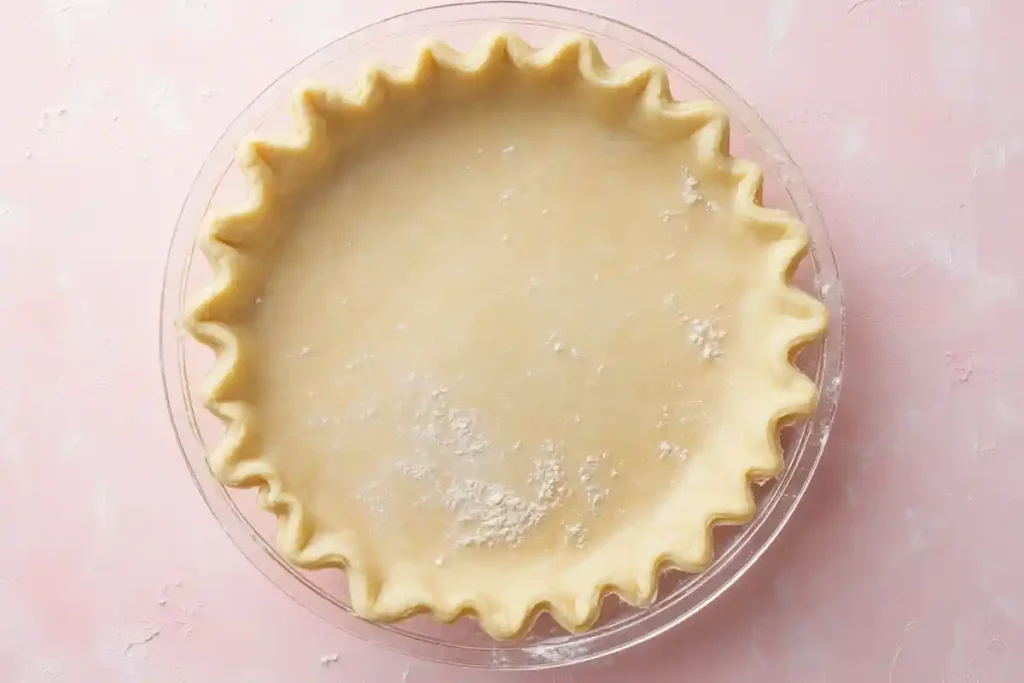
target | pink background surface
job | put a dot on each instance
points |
(901, 566)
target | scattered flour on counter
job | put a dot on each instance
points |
(142, 641)
(328, 660)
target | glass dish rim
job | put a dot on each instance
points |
(772, 514)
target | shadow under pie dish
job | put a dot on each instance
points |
(503, 331)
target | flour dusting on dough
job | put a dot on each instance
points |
(707, 337)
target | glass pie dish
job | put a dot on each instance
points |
(185, 362)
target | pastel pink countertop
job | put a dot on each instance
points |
(901, 566)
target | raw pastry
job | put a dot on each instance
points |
(502, 332)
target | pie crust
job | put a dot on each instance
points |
(503, 332)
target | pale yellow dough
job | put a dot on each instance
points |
(502, 332)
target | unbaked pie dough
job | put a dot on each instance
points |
(503, 332)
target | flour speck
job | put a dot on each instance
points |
(588, 473)
(691, 192)
(577, 534)
(490, 513)
(358, 361)
(706, 336)
(671, 450)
